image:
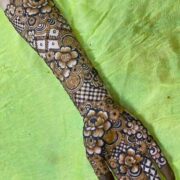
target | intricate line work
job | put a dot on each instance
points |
(90, 93)
(46, 30)
(114, 139)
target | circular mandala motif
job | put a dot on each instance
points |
(31, 21)
(73, 82)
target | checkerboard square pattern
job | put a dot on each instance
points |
(90, 93)
(123, 147)
(45, 44)
(149, 169)
(18, 24)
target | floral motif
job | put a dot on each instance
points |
(61, 74)
(129, 162)
(50, 55)
(30, 36)
(19, 11)
(113, 163)
(93, 146)
(10, 10)
(126, 164)
(34, 7)
(96, 123)
(67, 57)
(65, 60)
(114, 114)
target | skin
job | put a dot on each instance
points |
(117, 144)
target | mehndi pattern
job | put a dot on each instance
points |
(111, 134)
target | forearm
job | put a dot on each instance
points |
(46, 30)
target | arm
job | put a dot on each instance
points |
(114, 139)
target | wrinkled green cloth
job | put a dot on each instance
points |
(135, 46)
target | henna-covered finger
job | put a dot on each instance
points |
(107, 176)
(128, 163)
(100, 167)
(93, 131)
(160, 160)
(135, 154)
(167, 171)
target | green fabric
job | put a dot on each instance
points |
(135, 45)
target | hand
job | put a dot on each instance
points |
(116, 141)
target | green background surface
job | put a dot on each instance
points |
(135, 46)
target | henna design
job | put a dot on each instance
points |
(114, 139)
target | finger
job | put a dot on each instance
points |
(107, 176)
(95, 153)
(149, 169)
(122, 172)
(160, 160)
(168, 172)
(100, 167)
(125, 163)
(153, 150)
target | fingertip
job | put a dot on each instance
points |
(168, 172)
